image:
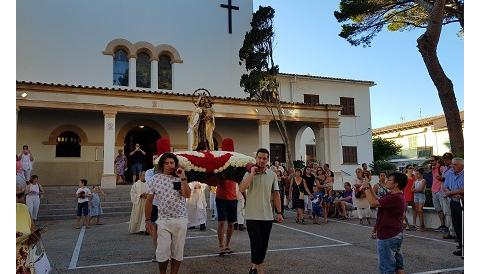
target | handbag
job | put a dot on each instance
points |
(41, 264)
(301, 194)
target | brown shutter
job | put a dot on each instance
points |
(350, 154)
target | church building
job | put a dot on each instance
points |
(94, 77)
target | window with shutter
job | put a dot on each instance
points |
(349, 155)
(348, 105)
(311, 153)
(311, 99)
(277, 152)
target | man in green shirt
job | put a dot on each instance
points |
(261, 184)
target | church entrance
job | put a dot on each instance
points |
(147, 138)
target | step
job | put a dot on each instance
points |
(68, 200)
(73, 210)
(73, 216)
(73, 204)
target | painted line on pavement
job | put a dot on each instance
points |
(446, 270)
(104, 225)
(313, 234)
(406, 234)
(215, 255)
(204, 236)
(76, 251)
(214, 230)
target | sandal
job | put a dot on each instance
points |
(303, 222)
(228, 251)
(297, 221)
(374, 235)
(222, 252)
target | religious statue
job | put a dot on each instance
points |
(202, 122)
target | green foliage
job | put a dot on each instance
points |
(384, 149)
(257, 55)
(298, 164)
(380, 165)
(363, 19)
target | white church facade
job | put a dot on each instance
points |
(95, 77)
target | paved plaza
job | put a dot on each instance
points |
(336, 247)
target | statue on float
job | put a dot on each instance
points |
(202, 121)
(203, 163)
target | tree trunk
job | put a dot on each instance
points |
(284, 132)
(427, 45)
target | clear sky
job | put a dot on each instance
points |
(308, 42)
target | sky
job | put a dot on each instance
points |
(307, 42)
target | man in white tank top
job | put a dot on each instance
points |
(27, 162)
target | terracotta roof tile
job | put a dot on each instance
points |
(154, 92)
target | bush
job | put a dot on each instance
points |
(380, 165)
(299, 164)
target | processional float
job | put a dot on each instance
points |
(204, 163)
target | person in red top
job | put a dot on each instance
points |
(226, 202)
(391, 211)
(408, 193)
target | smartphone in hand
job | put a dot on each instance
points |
(177, 185)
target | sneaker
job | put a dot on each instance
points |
(252, 271)
(445, 229)
(457, 252)
(203, 227)
(439, 229)
(449, 236)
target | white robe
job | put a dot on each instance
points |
(137, 217)
(197, 205)
(240, 207)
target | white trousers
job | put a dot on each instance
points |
(213, 205)
(33, 203)
(307, 203)
(26, 174)
(241, 212)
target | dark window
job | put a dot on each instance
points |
(277, 152)
(424, 152)
(68, 145)
(311, 152)
(349, 155)
(348, 106)
(120, 68)
(143, 70)
(311, 99)
(164, 72)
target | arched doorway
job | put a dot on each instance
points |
(147, 138)
(305, 144)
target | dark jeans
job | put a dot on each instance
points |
(259, 234)
(282, 197)
(457, 209)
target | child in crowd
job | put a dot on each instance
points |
(96, 207)
(316, 204)
(83, 193)
(418, 190)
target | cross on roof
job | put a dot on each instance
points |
(230, 8)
